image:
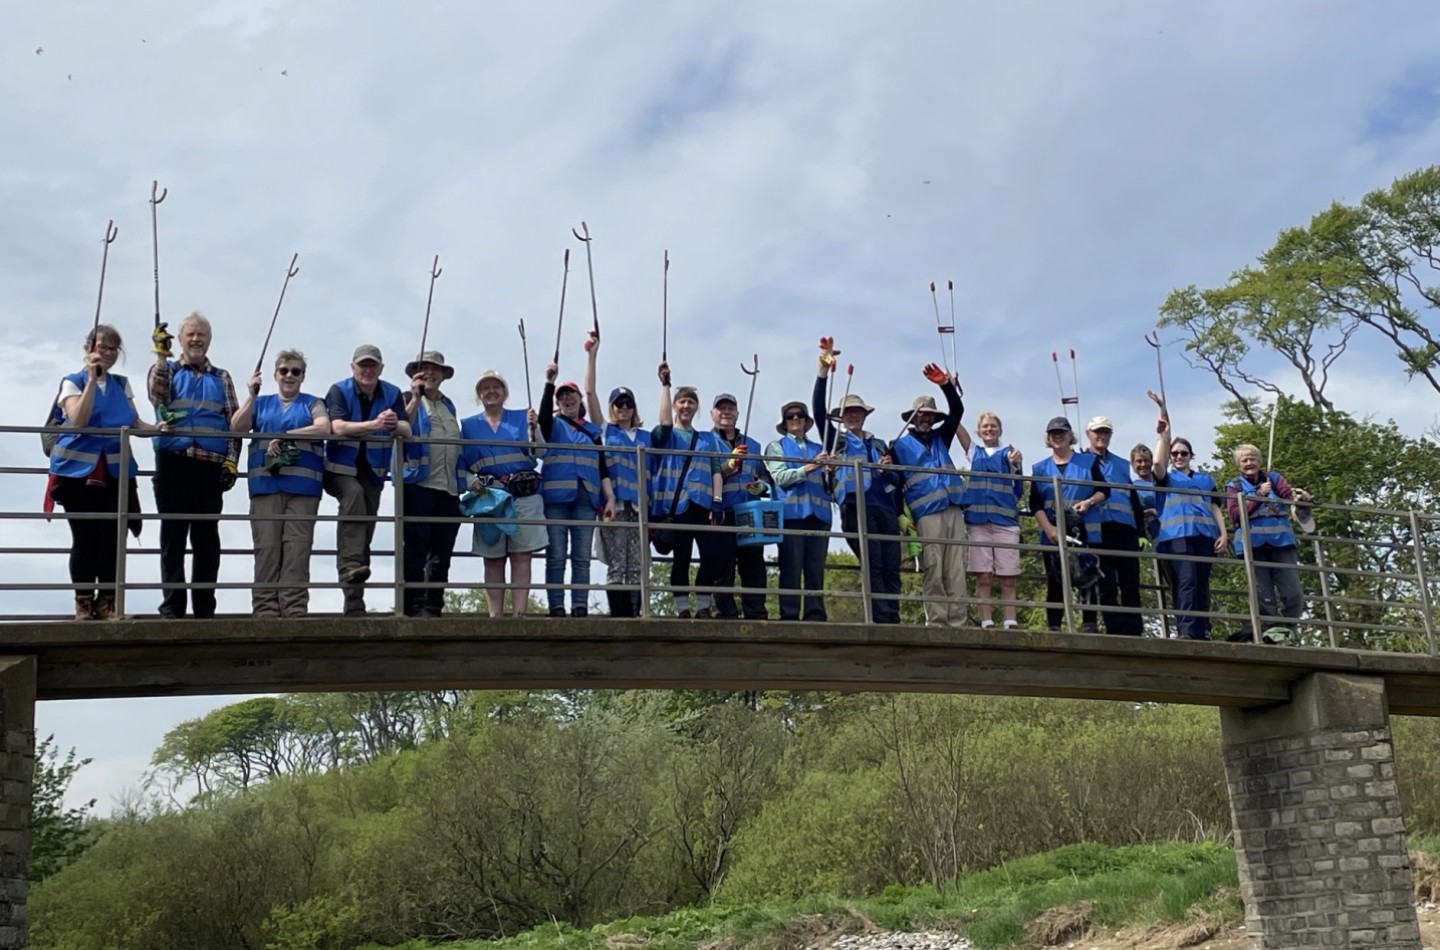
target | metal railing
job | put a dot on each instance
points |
(1367, 589)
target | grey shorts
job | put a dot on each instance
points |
(527, 537)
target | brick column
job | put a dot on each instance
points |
(1318, 832)
(17, 774)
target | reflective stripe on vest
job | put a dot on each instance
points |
(992, 496)
(302, 478)
(1183, 515)
(624, 474)
(1079, 467)
(202, 397)
(806, 498)
(1117, 507)
(340, 457)
(499, 460)
(666, 480)
(417, 453)
(75, 455)
(1269, 525)
(567, 471)
(929, 492)
(855, 448)
(735, 489)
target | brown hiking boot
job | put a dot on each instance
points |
(104, 608)
(84, 606)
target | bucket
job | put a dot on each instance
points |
(764, 518)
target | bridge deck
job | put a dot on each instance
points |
(170, 658)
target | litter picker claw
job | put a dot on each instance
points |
(1071, 400)
(290, 271)
(157, 195)
(110, 232)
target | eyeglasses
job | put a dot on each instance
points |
(794, 415)
(1180, 454)
(289, 371)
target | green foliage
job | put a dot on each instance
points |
(58, 835)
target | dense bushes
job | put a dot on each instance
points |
(578, 808)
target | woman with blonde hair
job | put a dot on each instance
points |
(992, 515)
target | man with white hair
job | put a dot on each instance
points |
(195, 465)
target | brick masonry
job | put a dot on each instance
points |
(1318, 830)
(17, 772)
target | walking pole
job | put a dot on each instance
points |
(754, 375)
(954, 359)
(425, 332)
(940, 327)
(665, 312)
(1153, 338)
(290, 271)
(155, 200)
(110, 232)
(525, 355)
(589, 269)
(560, 324)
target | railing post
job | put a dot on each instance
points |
(866, 588)
(397, 469)
(122, 517)
(1067, 596)
(1248, 552)
(1325, 592)
(1424, 580)
(642, 507)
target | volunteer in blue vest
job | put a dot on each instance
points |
(1121, 524)
(284, 476)
(513, 468)
(85, 469)
(1083, 501)
(687, 489)
(575, 484)
(936, 498)
(742, 479)
(433, 484)
(195, 465)
(992, 516)
(617, 543)
(366, 414)
(880, 487)
(1273, 544)
(797, 469)
(1192, 526)
(1142, 476)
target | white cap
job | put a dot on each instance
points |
(1099, 422)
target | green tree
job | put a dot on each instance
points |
(58, 835)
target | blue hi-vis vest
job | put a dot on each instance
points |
(75, 455)
(855, 448)
(497, 460)
(1269, 525)
(1117, 507)
(340, 457)
(624, 470)
(1079, 467)
(568, 471)
(308, 472)
(736, 488)
(808, 498)
(1186, 516)
(928, 492)
(993, 496)
(417, 453)
(666, 479)
(1148, 500)
(202, 398)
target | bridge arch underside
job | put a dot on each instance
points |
(1307, 751)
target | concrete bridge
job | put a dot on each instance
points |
(1306, 734)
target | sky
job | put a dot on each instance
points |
(809, 166)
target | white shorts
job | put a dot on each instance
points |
(527, 537)
(981, 558)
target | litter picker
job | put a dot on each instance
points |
(1153, 338)
(560, 324)
(429, 299)
(754, 375)
(1072, 400)
(665, 312)
(583, 235)
(525, 355)
(830, 411)
(290, 271)
(941, 328)
(110, 232)
(954, 359)
(157, 195)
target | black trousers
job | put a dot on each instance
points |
(1055, 594)
(884, 556)
(429, 547)
(802, 561)
(685, 544)
(720, 555)
(188, 486)
(92, 542)
(1120, 579)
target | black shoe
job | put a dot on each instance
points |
(683, 615)
(579, 612)
(167, 614)
(355, 575)
(557, 611)
(356, 612)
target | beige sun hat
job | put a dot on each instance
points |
(923, 404)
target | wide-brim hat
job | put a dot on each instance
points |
(435, 358)
(785, 409)
(923, 404)
(851, 402)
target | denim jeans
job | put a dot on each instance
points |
(1192, 583)
(574, 542)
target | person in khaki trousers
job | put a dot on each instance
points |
(284, 475)
(936, 498)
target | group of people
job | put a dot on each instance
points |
(565, 477)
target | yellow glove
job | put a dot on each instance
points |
(161, 337)
(228, 475)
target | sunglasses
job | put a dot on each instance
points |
(623, 404)
(794, 415)
(1181, 454)
(289, 371)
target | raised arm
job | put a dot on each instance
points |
(665, 416)
(1162, 440)
(592, 399)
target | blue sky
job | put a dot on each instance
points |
(811, 167)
